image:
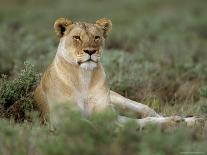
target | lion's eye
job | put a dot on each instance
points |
(76, 37)
(97, 37)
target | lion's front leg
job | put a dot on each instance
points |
(165, 122)
(148, 115)
(141, 109)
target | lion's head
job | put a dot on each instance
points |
(82, 43)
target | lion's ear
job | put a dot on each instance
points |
(105, 24)
(61, 26)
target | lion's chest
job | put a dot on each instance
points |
(89, 99)
(90, 102)
(84, 99)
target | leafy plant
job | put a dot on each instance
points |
(16, 95)
(203, 108)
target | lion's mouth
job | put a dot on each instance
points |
(89, 60)
(88, 64)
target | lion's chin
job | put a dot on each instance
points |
(89, 65)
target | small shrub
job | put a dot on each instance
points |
(203, 92)
(203, 108)
(16, 96)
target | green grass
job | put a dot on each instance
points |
(156, 54)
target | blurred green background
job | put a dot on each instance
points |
(156, 53)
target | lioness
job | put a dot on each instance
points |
(76, 75)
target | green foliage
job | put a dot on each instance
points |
(203, 93)
(204, 109)
(101, 134)
(16, 96)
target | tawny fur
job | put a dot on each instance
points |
(76, 75)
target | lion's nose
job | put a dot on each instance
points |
(90, 52)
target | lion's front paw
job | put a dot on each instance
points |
(194, 121)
